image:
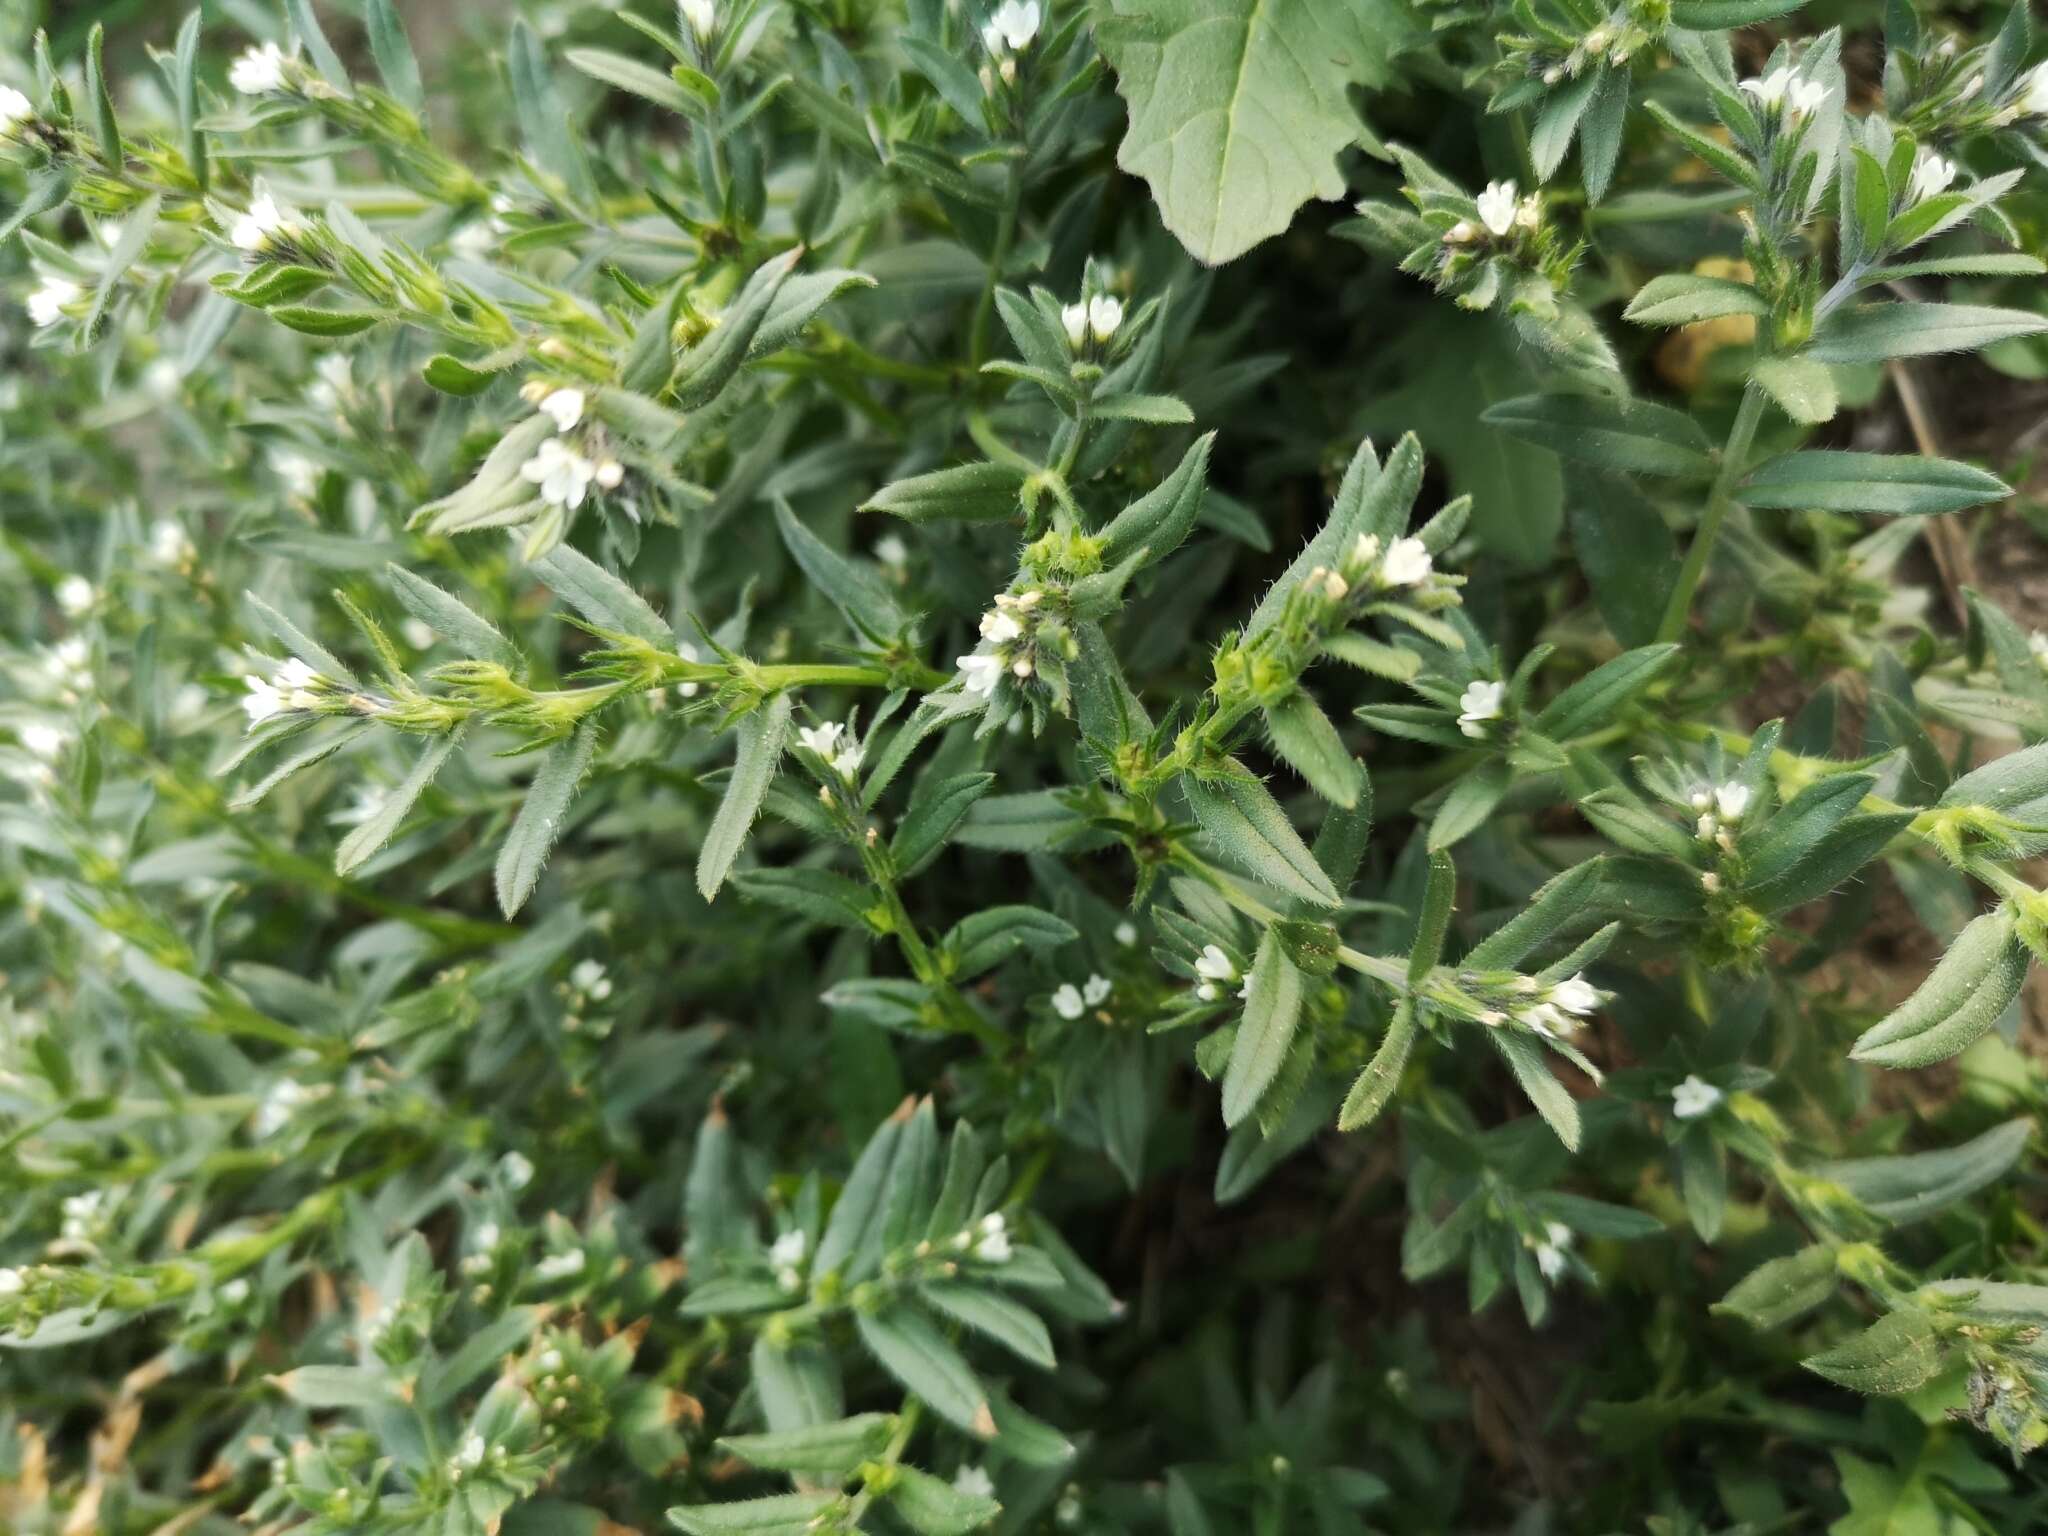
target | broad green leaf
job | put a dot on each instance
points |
(628, 74)
(393, 54)
(601, 597)
(1898, 1353)
(1632, 436)
(1245, 821)
(1870, 333)
(934, 1508)
(1159, 520)
(1556, 904)
(1272, 1010)
(1803, 389)
(1560, 1111)
(761, 737)
(934, 812)
(1471, 798)
(451, 618)
(975, 493)
(1714, 15)
(1306, 740)
(1775, 1292)
(832, 1448)
(993, 1315)
(855, 590)
(781, 1514)
(1961, 998)
(1893, 485)
(1595, 699)
(1239, 108)
(539, 822)
(704, 371)
(544, 123)
(1625, 549)
(911, 1349)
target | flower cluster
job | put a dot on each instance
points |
(262, 69)
(1093, 319)
(558, 468)
(1501, 214)
(835, 744)
(1216, 971)
(1555, 1012)
(1787, 93)
(292, 687)
(1720, 808)
(1006, 635)
(1010, 30)
(1070, 1001)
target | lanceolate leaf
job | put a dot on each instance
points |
(1272, 1010)
(1828, 480)
(1916, 1185)
(1961, 998)
(539, 821)
(1249, 826)
(761, 736)
(1870, 333)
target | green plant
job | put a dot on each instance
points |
(655, 762)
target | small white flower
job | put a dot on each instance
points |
(788, 1250)
(262, 700)
(701, 15)
(1074, 320)
(1407, 563)
(168, 544)
(979, 673)
(45, 741)
(1731, 800)
(266, 219)
(994, 1246)
(1497, 207)
(15, 109)
(75, 595)
(515, 1170)
(689, 653)
(1105, 314)
(1931, 176)
(1015, 24)
(1479, 703)
(11, 1282)
(1364, 550)
(46, 304)
(589, 978)
(1694, 1097)
(562, 474)
(611, 474)
(560, 1266)
(1000, 628)
(487, 1236)
(1529, 213)
(892, 551)
(1576, 995)
(821, 739)
(475, 239)
(1804, 99)
(1464, 232)
(1710, 882)
(974, 1483)
(2034, 95)
(1066, 1002)
(235, 1292)
(565, 406)
(417, 634)
(1546, 1019)
(1214, 965)
(1127, 934)
(472, 1452)
(301, 476)
(1095, 990)
(1550, 1253)
(1771, 89)
(275, 1112)
(259, 69)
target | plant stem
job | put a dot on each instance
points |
(1734, 457)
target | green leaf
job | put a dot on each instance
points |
(1892, 485)
(831, 1448)
(1598, 697)
(452, 376)
(1632, 436)
(1680, 298)
(539, 821)
(393, 54)
(1775, 846)
(761, 737)
(1433, 922)
(781, 1514)
(1159, 520)
(1803, 389)
(1625, 549)
(934, 1508)
(377, 829)
(105, 127)
(995, 1316)
(975, 493)
(1870, 333)
(859, 1208)
(1774, 1293)
(325, 322)
(601, 597)
(1304, 737)
(1557, 122)
(1382, 1075)
(703, 371)
(1470, 800)
(1239, 108)
(325, 60)
(856, 591)
(1247, 824)
(1915, 1186)
(1272, 1010)
(913, 1351)
(544, 123)
(451, 618)
(1555, 906)
(1560, 1111)
(1961, 998)
(631, 75)
(933, 814)
(984, 940)
(1900, 1352)
(1716, 15)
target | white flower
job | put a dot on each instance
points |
(262, 700)
(1550, 1253)
(1105, 314)
(235, 1292)
(562, 474)
(560, 1266)
(275, 1112)
(1931, 176)
(487, 1235)
(168, 544)
(994, 1247)
(1127, 934)
(42, 740)
(1214, 965)
(588, 977)
(1480, 702)
(1529, 213)
(1694, 1097)
(892, 551)
(1731, 800)
(1014, 25)
(788, 1249)
(15, 109)
(474, 240)
(1000, 628)
(1464, 232)
(1769, 91)
(301, 476)
(516, 1171)
(974, 1483)
(472, 1452)
(75, 595)
(259, 69)
(11, 1282)
(336, 381)
(1074, 320)
(1546, 1019)
(1804, 99)
(689, 653)
(821, 739)
(266, 218)
(1066, 1002)
(979, 673)
(1576, 995)
(848, 762)
(1406, 564)
(702, 16)
(1497, 207)
(610, 474)
(2034, 93)
(1095, 990)
(565, 406)
(46, 304)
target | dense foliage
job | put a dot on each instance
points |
(1185, 766)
